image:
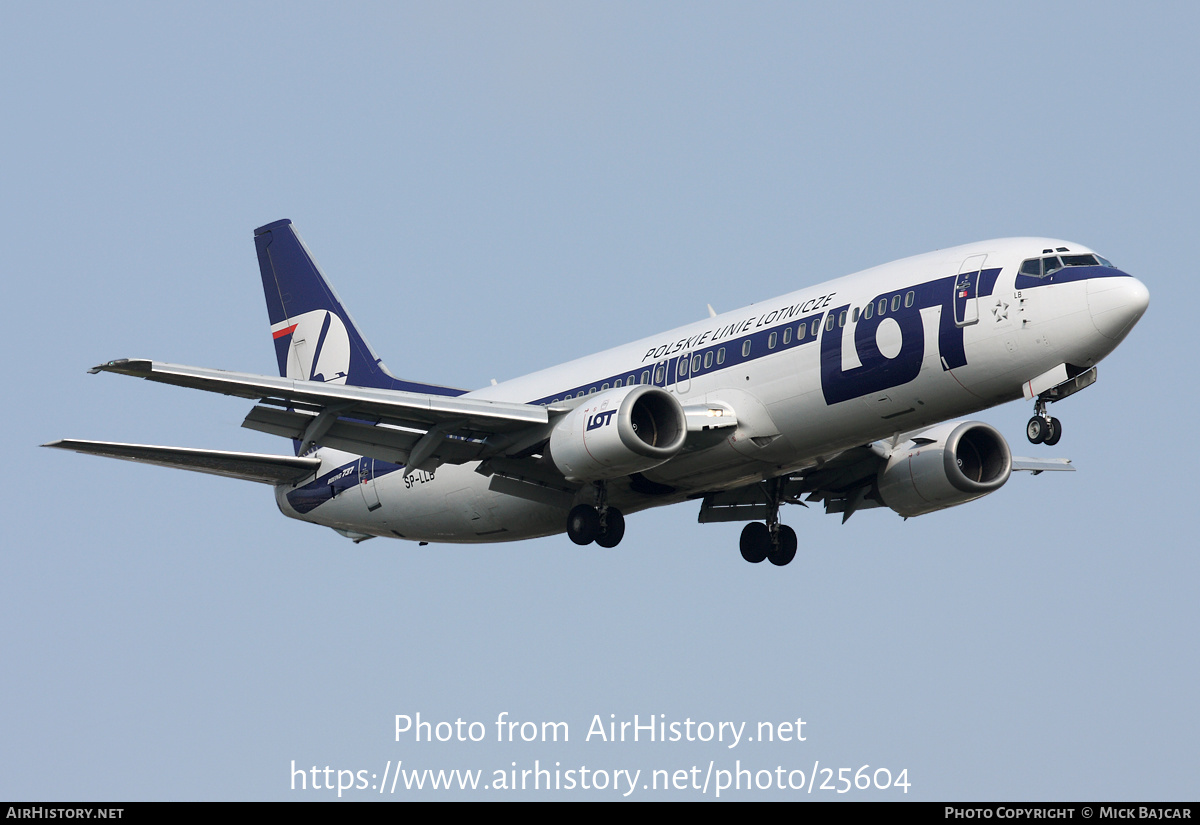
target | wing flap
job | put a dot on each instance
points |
(265, 469)
(374, 441)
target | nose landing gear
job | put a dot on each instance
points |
(1042, 428)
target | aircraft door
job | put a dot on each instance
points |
(366, 483)
(683, 373)
(966, 291)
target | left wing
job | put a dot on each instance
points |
(419, 430)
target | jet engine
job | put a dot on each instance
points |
(618, 432)
(950, 464)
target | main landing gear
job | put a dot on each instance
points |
(600, 523)
(1042, 429)
(759, 542)
(771, 540)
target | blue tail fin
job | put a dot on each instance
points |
(315, 337)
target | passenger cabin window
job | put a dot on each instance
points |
(772, 340)
(721, 355)
(868, 311)
(746, 348)
(787, 336)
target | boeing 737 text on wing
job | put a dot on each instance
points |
(846, 393)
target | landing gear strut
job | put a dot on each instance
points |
(1042, 428)
(599, 523)
(771, 540)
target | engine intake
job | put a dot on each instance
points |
(618, 432)
(947, 465)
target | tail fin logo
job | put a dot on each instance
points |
(319, 349)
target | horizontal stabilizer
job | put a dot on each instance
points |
(266, 469)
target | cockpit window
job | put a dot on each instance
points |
(1041, 267)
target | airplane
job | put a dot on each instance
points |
(850, 393)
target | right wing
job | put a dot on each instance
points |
(845, 483)
(1041, 465)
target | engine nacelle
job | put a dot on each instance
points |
(950, 464)
(618, 432)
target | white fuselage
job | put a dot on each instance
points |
(808, 375)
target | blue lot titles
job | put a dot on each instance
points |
(652, 728)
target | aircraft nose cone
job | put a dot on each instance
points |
(1116, 304)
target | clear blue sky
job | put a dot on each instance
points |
(495, 188)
